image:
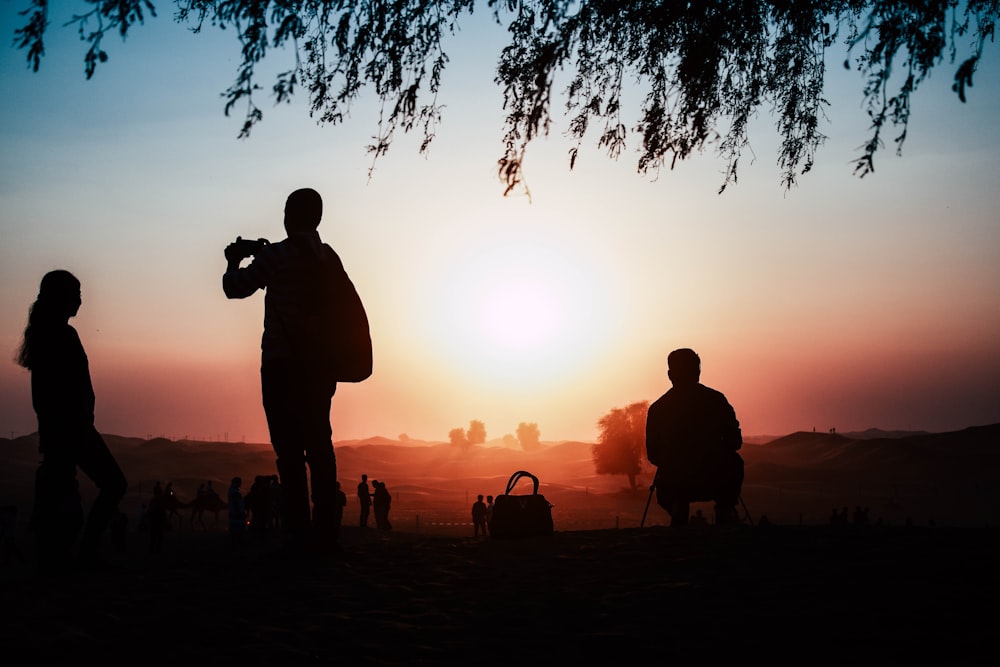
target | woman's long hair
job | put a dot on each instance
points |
(58, 289)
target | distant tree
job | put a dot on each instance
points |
(529, 436)
(702, 69)
(402, 437)
(621, 442)
(476, 434)
(457, 438)
(509, 440)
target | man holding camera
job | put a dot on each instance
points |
(692, 436)
(296, 383)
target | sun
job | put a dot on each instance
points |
(521, 312)
(518, 305)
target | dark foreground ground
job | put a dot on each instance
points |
(758, 595)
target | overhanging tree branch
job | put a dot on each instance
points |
(703, 70)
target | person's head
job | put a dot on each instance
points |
(479, 497)
(684, 367)
(58, 300)
(59, 293)
(303, 211)
(364, 478)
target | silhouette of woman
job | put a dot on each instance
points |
(63, 398)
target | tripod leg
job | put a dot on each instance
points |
(746, 511)
(648, 500)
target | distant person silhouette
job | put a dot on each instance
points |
(479, 517)
(489, 514)
(364, 499)
(171, 505)
(63, 399)
(341, 503)
(381, 502)
(692, 437)
(300, 276)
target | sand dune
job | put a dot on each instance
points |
(945, 478)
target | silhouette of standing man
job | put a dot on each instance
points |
(297, 384)
(365, 500)
(381, 500)
(63, 398)
(692, 436)
(479, 517)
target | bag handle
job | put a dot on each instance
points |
(516, 477)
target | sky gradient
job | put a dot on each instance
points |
(843, 303)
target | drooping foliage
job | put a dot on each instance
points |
(702, 70)
(621, 442)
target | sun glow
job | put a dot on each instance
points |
(519, 305)
(521, 312)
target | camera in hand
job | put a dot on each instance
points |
(242, 248)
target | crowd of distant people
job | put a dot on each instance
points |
(254, 513)
(482, 516)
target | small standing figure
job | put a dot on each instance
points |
(479, 517)
(382, 501)
(341, 504)
(365, 500)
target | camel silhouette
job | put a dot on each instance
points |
(210, 502)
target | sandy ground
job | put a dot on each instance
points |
(780, 594)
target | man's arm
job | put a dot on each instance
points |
(733, 436)
(239, 283)
(654, 446)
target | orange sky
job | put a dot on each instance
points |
(848, 303)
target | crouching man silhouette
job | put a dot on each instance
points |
(692, 437)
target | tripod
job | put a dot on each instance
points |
(652, 487)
